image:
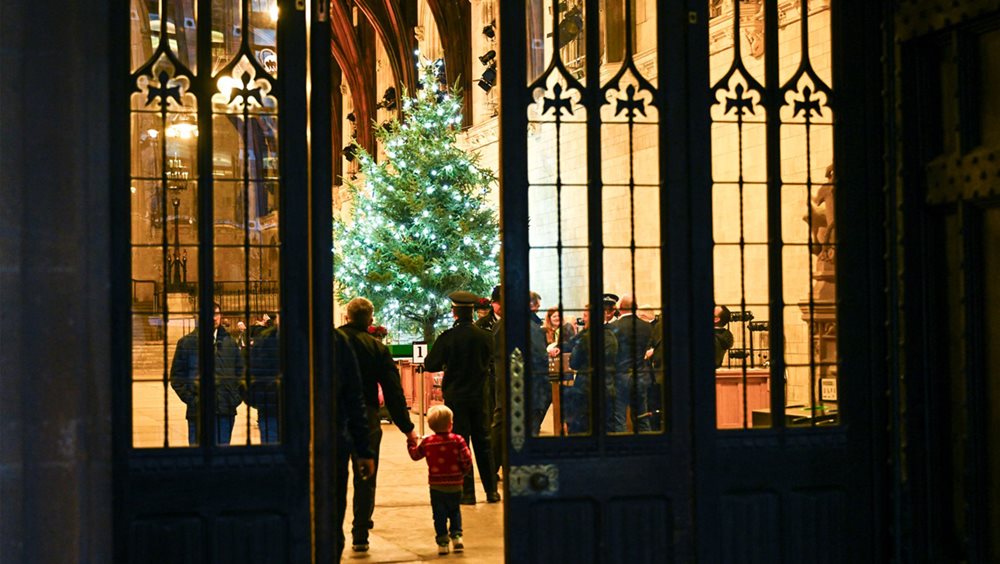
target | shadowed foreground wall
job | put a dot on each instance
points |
(55, 369)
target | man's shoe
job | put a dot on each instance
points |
(467, 500)
(493, 497)
(442, 549)
(456, 543)
(360, 547)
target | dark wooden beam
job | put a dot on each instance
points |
(353, 58)
(454, 21)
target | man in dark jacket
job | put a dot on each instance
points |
(229, 386)
(352, 427)
(464, 353)
(266, 381)
(377, 369)
(723, 336)
(632, 374)
(576, 398)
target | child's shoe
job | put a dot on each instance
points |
(442, 543)
(456, 543)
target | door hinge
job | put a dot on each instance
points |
(534, 479)
(517, 400)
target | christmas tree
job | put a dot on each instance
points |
(420, 226)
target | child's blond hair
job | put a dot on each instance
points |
(439, 418)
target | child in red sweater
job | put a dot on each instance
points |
(449, 460)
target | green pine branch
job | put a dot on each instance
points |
(421, 226)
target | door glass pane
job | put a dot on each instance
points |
(773, 200)
(624, 375)
(164, 238)
(264, 34)
(227, 31)
(166, 214)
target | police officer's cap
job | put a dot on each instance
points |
(461, 298)
(610, 300)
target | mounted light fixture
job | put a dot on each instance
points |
(388, 99)
(488, 56)
(570, 26)
(490, 30)
(350, 152)
(350, 117)
(489, 78)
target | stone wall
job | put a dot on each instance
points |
(55, 243)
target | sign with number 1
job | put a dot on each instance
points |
(419, 352)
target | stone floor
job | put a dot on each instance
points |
(404, 530)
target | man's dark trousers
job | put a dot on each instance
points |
(364, 490)
(469, 421)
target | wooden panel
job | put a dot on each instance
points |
(640, 530)
(729, 396)
(749, 528)
(173, 539)
(564, 531)
(251, 538)
(814, 526)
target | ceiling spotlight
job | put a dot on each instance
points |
(488, 56)
(490, 30)
(350, 152)
(489, 78)
(388, 99)
(570, 26)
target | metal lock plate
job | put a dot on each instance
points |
(534, 480)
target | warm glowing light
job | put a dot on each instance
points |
(274, 12)
(153, 133)
(227, 84)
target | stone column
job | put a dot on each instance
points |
(55, 360)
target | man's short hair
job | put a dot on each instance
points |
(439, 418)
(724, 316)
(359, 309)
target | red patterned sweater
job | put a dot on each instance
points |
(448, 458)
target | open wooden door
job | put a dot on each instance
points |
(211, 319)
(681, 157)
(595, 160)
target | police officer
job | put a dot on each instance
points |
(576, 399)
(464, 352)
(494, 389)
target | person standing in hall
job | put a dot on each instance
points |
(464, 353)
(265, 381)
(377, 369)
(351, 426)
(576, 398)
(229, 385)
(632, 375)
(723, 336)
(493, 391)
(448, 462)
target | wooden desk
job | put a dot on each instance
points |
(729, 396)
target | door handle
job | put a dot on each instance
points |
(534, 480)
(539, 482)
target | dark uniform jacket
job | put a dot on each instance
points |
(265, 372)
(352, 419)
(378, 368)
(723, 342)
(464, 353)
(489, 322)
(633, 335)
(229, 385)
(580, 360)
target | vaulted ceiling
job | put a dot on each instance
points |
(393, 21)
